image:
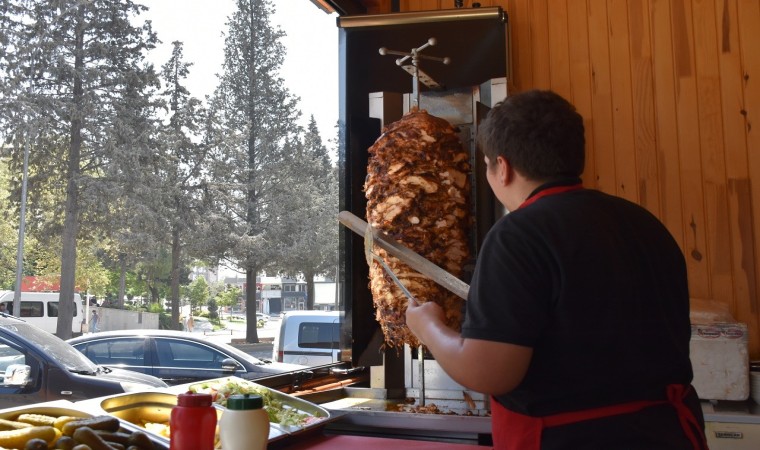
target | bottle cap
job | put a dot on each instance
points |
(193, 399)
(245, 401)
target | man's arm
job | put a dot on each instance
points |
(484, 366)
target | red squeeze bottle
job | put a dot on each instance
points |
(192, 423)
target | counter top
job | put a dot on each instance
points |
(343, 442)
(728, 411)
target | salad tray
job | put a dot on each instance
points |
(288, 415)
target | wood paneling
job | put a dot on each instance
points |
(668, 92)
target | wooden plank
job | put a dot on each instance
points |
(666, 119)
(688, 137)
(601, 96)
(741, 218)
(520, 47)
(711, 151)
(580, 79)
(540, 45)
(748, 13)
(559, 64)
(622, 109)
(642, 85)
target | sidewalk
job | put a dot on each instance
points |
(235, 333)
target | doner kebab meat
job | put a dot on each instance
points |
(418, 191)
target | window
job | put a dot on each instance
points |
(29, 309)
(53, 309)
(129, 352)
(9, 356)
(319, 335)
(178, 353)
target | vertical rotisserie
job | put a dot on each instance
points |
(418, 192)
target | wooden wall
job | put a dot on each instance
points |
(668, 92)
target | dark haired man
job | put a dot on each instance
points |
(577, 321)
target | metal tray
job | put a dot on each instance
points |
(155, 407)
(316, 415)
(65, 408)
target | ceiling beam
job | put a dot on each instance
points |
(342, 7)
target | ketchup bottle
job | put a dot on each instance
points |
(192, 423)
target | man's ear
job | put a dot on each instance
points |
(504, 171)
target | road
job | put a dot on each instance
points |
(234, 334)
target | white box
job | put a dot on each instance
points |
(720, 359)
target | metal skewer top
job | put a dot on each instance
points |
(418, 76)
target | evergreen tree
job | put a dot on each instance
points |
(312, 231)
(68, 67)
(253, 104)
(184, 168)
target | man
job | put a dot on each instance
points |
(94, 322)
(577, 321)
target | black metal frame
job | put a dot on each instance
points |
(475, 40)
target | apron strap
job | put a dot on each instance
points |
(689, 423)
(514, 431)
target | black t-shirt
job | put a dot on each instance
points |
(597, 286)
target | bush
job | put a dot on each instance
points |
(164, 319)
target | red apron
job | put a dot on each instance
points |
(513, 431)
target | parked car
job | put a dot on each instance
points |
(262, 316)
(37, 366)
(174, 356)
(310, 338)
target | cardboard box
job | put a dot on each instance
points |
(720, 359)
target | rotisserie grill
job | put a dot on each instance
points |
(418, 191)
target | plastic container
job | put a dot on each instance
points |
(244, 424)
(192, 423)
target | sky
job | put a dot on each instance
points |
(309, 68)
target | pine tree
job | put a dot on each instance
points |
(253, 104)
(312, 244)
(68, 66)
(183, 168)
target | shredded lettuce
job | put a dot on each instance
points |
(278, 412)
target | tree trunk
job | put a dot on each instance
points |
(309, 275)
(122, 280)
(71, 214)
(174, 291)
(251, 327)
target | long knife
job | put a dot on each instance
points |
(406, 255)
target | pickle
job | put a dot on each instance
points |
(87, 436)
(38, 420)
(12, 425)
(114, 436)
(63, 420)
(107, 423)
(36, 444)
(141, 440)
(18, 438)
(65, 443)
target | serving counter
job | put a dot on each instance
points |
(342, 442)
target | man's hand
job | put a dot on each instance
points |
(465, 359)
(421, 315)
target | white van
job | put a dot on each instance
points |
(41, 309)
(309, 338)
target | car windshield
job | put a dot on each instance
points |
(59, 350)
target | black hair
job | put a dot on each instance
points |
(538, 132)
